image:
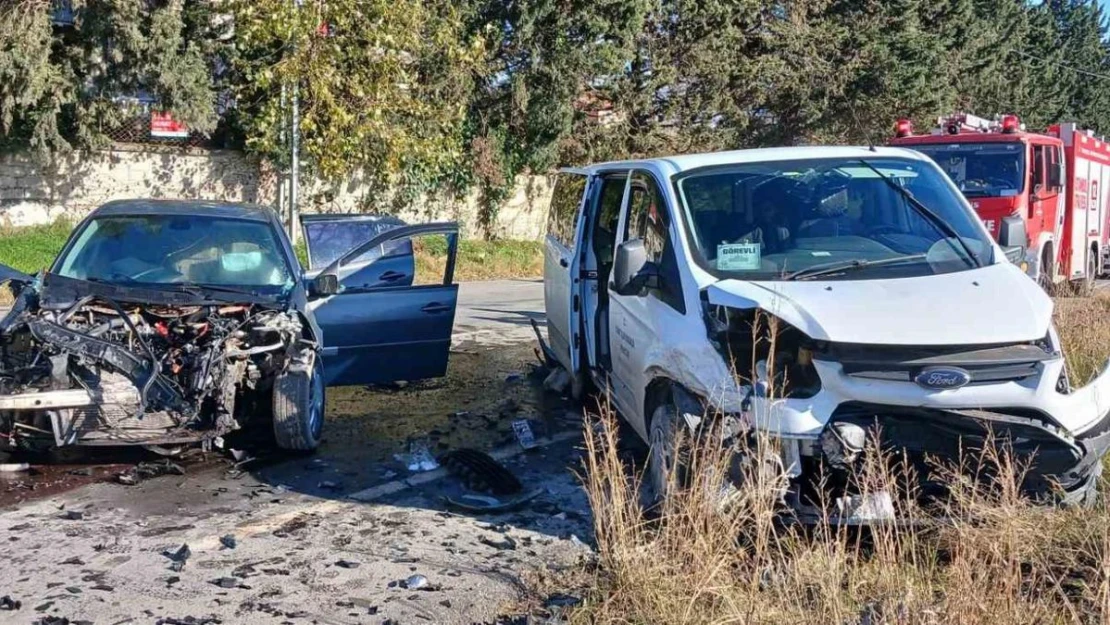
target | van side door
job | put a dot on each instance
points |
(638, 322)
(560, 282)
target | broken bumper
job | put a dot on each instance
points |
(1062, 436)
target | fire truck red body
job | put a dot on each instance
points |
(1052, 183)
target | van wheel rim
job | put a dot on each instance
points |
(662, 456)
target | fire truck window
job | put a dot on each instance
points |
(1055, 175)
(1038, 167)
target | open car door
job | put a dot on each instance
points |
(376, 329)
(329, 236)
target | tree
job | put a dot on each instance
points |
(64, 86)
(383, 86)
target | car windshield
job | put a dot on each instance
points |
(177, 249)
(830, 219)
(981, 169)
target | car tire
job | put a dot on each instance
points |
(662, 454)
(298, 400)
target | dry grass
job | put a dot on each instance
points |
(1084, 327)
(989, 556)
(994, 559)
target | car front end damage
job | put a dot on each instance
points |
(935, 411)
(85, 363)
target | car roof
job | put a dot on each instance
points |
(685, 162)
(229, 210)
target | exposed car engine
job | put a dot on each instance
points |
(88, 369)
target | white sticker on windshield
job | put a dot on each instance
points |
(738, 256)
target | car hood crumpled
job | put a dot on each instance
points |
(989, 305)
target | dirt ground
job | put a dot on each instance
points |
(333, 538)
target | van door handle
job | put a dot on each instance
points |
(563, 262)
(435, 308)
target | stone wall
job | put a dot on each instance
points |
(72, 186)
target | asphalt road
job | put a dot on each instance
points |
(498, 312)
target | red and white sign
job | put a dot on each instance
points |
(165, 127)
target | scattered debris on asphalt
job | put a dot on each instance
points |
(419, 458)
(9, 604)
(72, 515)
(148, 470)
(523, 430)
(490, 505)
(480, 472)
(417, 582)
(508, 544)
(347, 564)
(178, 558)
(14, 467)
(228, 541)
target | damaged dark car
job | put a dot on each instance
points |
(173, 323)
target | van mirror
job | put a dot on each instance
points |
(1012, 234)
(632, 271)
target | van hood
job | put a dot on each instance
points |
(989, 305)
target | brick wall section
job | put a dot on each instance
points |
(73, 185)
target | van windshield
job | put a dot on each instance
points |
(830, 219)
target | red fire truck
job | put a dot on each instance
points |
(1041, 192)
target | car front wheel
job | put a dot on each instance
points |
(299, 407)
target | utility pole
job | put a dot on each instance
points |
(283, 173)
(295, 160)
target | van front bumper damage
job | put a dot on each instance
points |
(1018, 401)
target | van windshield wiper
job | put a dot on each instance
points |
(936, 220)
(825, 269)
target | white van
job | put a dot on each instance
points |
(894, 310)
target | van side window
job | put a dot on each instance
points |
(648, 219)
(605, 226)
(563, 214)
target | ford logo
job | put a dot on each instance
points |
(942, 378)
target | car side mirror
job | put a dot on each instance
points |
(632, 271)
(1012, 237)
(325, 284)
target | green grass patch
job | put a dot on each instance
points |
(32, 248)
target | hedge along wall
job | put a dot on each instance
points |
(70, 187)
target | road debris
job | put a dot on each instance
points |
(9, 604)
(419, 458)
(228, 541)
(347, 564)
(72, 515)
(148, 470)
(523, 430)
(508, 544)
(490, 505)
(178, 558)
(14, 467)
(417, 582)
(480, 472)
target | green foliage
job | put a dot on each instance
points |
(382, 86)
(419, 98)
(61, 86)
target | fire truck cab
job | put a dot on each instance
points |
(1039, 194)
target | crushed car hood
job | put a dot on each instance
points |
(989, 305)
